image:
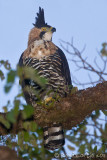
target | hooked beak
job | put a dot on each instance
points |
(53, 29)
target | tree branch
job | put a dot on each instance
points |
(69, 111)
(7, 154)
(81, 63)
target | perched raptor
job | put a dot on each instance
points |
(49, 63)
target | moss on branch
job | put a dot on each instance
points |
(69, 111)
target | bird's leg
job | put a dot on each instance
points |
(48, 99)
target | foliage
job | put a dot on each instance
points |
(91, 142)
(88, 137)
(6, 66)
(104, 49)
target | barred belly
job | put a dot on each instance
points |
(48, 67)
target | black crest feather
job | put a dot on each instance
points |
(40, 19)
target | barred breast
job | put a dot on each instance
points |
(50, 68)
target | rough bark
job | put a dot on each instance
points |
(69, 111)
(8, 154)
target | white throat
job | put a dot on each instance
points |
(47, 36)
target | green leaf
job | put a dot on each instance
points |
(10, 80)
(26, 125)
(104, 148)
(16, 104)
(8, 87)
(28, 111)
(19, 95)
(71, 148)
(33, 140)
(97, 113)
(5, 109)
(33, 126)
(74, 90)
(4, 122)
(26, 136)
(30, 126)
(1, 75)
(82, 149)
(104, 49)
(95, 149)
(6, 64)
(95, 133)
(105, 112)
(11, 76)
(20, 139)
(29, 72)
(11, 116)
(105, 128)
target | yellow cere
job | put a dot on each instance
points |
(50, 28)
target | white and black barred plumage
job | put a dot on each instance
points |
(50, 63)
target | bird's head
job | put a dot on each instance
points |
(41, 29)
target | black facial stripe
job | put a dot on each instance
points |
(41, 34)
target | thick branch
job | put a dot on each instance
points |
(70, 111)
(7, 154)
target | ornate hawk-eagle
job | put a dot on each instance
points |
(49, 62)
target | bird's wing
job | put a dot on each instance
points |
(20, 64)
(65, 68)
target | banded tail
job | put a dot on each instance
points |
(53, 137)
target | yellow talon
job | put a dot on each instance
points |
(74, 90)
(47, 100)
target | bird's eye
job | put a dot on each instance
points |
(43, 29)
